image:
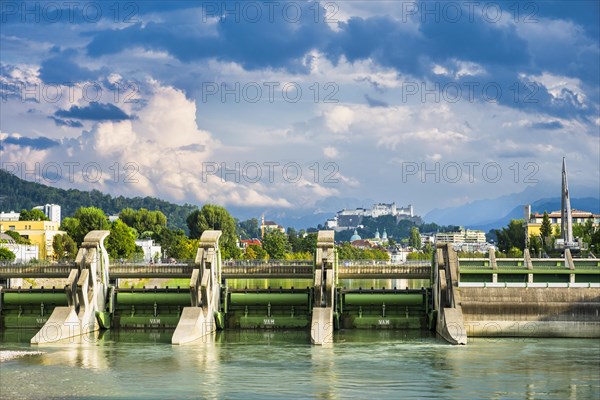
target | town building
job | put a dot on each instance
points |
(352, 219)
(363, 244)
(269, 226)
(52, 211)
(427, 238)
(355, 237)
(9, 216)
(398, 254)
(152, 251)
(244, 243)
(578, 217)
(473, 247)
(460, 237)
(23, 252)
(39, 233)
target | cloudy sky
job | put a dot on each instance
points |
(302, 105)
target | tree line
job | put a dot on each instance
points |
(20, 194)
(179, 244)
(511, 239)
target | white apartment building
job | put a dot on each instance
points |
(52, 211)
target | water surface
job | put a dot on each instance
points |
(282, 364)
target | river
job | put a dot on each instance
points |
(282, 364)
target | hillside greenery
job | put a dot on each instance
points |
(18, 194)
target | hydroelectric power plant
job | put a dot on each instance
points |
(461, 298)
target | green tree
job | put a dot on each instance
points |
(546, 229)
(375, 254)
(511, 236)
(255, 252)
(418, 255)
(212, 217)
(121, 241)
(6, 254)
(514, 252)
(32, 215)
(88, 219)
(248, 229)
(70, 225)
(64, 247)
(17, 237)
(595, 241)
(348, 252)
(584, 231)
(143, 220)
(535, 245)
(306, 244)
(415, 238)
(176, 244)
(293, 239)
(184, 248)
(428, 248)
(276, 244)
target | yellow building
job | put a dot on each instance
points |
(269, 226)
(38, 232)
(579, 217)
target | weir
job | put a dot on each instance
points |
(61, 313)
(325, 280)
(198, 320)
(459, 298)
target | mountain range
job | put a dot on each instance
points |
(486, 214)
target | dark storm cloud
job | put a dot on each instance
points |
(94, 112)
(66, 122)
(39, 143)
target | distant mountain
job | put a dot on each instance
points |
(294, 218)
(553, 204)
(17, 194)
(495, 213)
(487, 211)
(302, 218)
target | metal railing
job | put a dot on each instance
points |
(409, 270)
(37, 271)
(150, 271)
(273, 263)
(258, 269)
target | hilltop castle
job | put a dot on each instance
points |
(351, 219)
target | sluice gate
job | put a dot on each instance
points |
(459, 298)
(384, 309)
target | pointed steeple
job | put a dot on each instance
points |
(566, 218)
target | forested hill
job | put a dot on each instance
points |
(17, 194)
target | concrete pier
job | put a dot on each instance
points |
(198, 320)
(86, 293)
(450, 322)
(324, 290)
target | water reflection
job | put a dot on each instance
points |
(282, 364)
(324, 375)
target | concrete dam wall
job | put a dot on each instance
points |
(531, 312)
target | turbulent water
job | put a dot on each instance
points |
(263, 365)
